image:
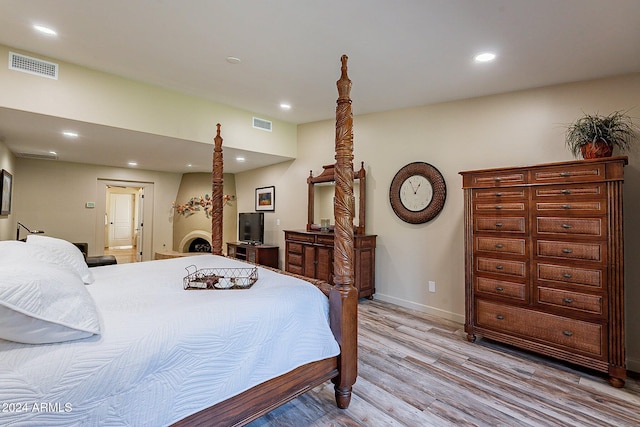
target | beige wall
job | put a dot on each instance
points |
(504, 130)
(95, 97)
(51, 196)
(7, 222)
(196, 185)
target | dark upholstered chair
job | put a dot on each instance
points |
(95, 261)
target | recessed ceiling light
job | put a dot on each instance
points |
(133, 163)
(485, 57)
(285, 106)
(233, 60)
(45, 30)
(70, 134)
(240, 159)
(189, 165)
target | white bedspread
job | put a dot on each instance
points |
(165, 352)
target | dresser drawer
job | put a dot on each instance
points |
(498, 207)
(325, 240)
(500, 245)
(568, 173)
(592, 207)
(587, 303)
(516, 291)
(571, 251)
(500, 266)
(496, 194)
(573, 334)
(591, 278)
(294, 248)
(503, 225)
(299, 237)
(594, 190)
(294, 258)
(588, 227)
(497, 178)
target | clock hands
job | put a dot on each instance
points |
(415, 189)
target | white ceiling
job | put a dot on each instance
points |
(402, 53)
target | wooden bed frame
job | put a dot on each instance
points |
(343, 296)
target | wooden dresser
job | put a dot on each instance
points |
(310, 253)
(544, 260)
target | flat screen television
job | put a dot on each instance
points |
(251, 227)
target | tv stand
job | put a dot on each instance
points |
(254, 252)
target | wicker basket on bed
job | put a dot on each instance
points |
(220, 278)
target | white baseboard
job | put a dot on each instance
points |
(421, 307)
(633, 365)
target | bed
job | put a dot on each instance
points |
(130, 346)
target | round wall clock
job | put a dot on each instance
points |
(417, 193)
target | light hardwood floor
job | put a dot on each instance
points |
(123, 255)
(419, 370)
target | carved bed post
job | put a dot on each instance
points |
(344, 296)
(216, 195)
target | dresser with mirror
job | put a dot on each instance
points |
(309, 252)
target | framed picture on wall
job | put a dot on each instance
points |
(266, 199)
(5, 188)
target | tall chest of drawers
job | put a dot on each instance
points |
(544, 260)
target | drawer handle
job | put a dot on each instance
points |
(500, 317)
(497, 179)
(566, 276)
(566, 206)
(568, 300)
(566, 226)
(567, 251)
(498, 224)
(499, 245)
(498, 206)
(499, 267)
(498, 194)
(566, 191)
(499, 288)
(568, 333)
(565, 174)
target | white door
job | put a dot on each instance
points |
(121, 220)
(139, 224)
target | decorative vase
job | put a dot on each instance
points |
(596, 150)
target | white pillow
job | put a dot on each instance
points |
(65, 253)
(44, 304)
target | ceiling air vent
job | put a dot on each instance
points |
(36, 156)
(262, 124)
(38, 67)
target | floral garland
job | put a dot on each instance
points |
(203, 202)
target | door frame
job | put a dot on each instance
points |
(147, 212)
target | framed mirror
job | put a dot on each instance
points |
(320, 199)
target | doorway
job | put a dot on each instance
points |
(125, 227)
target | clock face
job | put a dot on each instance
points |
(416, 193)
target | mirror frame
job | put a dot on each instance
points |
(328, 175)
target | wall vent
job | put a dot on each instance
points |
(38, 67)
(36, 156)
(262, 124)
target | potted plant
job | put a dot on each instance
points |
(595, 136)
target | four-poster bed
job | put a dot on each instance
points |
(154, 353)
(343, 296)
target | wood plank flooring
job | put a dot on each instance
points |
(419, 370)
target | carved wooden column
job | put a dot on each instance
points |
(344, 295)
(216, 195)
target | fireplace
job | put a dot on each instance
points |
(196, 241)
(199, 245)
